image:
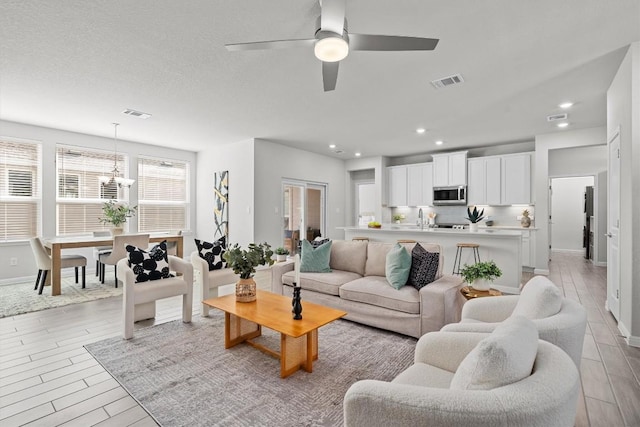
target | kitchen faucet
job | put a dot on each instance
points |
(420, 219)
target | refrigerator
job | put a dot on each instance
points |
(588, 228)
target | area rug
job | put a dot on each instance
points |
(21, 298)
(182, 375)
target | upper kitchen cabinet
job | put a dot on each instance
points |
(420, 184)
(450, 169)
(500, 180)
(397, 183)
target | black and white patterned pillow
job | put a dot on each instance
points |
(424, 267)
(152, 265)
(212, 252)
(317, 243)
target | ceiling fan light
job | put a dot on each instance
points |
(331, 49)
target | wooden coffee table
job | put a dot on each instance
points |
(243, 321)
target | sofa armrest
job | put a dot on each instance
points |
(200, 265)
(179, 265)
(489, 309)
(440, 303)
(277, 270)
(445, 350)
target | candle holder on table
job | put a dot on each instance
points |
(296, 304)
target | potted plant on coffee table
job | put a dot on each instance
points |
(116, 215)
(281, 254)
(244, 262)
(480, 276)
(474, 216)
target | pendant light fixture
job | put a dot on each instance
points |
(115, 177)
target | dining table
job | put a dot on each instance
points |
(56, 244)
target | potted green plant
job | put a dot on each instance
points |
(244, 262)
(281, 254)
(116, 214)
(481, 274)
(397, 218)
(474, 216)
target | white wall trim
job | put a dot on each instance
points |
(631, 340)
(541, 271)
(599, 263)
(571, 251)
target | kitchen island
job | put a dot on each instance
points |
(502, 246)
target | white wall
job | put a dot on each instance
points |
(567, 213)
(623, 113)
(273, 163)
(576, 161)
(379, 167)
(544, 145)
(238, 159)
(49, 138)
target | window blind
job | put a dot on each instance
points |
(20, 195)
(163, 195)
(80, 195)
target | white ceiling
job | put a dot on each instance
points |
(76, 64)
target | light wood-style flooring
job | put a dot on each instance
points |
(47, 378)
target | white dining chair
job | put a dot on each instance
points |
(100, 250)
(119, 252)
(44, 264)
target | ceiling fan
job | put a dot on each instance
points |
(332, 42)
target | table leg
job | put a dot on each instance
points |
(179, 247)
(56, 279)
(296, 353)
(237, 330)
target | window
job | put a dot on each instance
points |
(80, 194)
(19, 190)
(163, 191)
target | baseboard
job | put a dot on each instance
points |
(599, 263)
(541, 271)
(507, 290)
(630, 339)
(571, 251)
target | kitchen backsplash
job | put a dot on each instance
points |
(501, 215)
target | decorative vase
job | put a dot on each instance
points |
(246, 290)
(481, 285)
(525, 221)
(296, 304)
(116, 231)
(473, 226)
(280, 258)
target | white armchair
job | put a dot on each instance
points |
(420, 396)
(211, 280)
(564, 328)
(139, 299)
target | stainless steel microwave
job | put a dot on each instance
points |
(443, 196)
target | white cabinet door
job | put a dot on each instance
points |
(414, 185)
(516, 183)
(493, 180)
(458, 168)
(397, 185)
(526, 249)
(476, 187)
(440, 171)
(427, 184)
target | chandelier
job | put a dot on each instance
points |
(115, 177)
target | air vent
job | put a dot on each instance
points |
(447, 81)
(556, 117)
(135, 113)
(338, 151)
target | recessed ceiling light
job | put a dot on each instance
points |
(565, 105)
(421, 130)
(332, 146)
(358, 154)
(562, 125)
(439, 142)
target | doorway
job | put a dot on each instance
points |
(303, 211)
(571, 223)
(365, 203)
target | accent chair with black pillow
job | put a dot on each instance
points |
(146, 278)
(212, 269)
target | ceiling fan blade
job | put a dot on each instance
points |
(332, 16)
(273, 44)
(330, 75)
(390, 43)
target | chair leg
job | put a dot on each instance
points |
(115, 274)
(76, 269)
(44, 278)
(84, 276)
(38, 280)
(97, 268)
(102, 270)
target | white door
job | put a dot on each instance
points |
(613, 219)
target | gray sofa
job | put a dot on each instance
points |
(357, 285)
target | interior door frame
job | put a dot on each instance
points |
(551, 178)
(306, 185)
(357, 184)
(612, 303)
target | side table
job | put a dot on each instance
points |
(470, 293)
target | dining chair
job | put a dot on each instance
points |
(43, 262)
(119, 251)
(100, 250)
(172, 247)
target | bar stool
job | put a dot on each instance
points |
(361, 239)
(406, 241)
(461, 246)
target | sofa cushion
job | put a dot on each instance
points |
(539, 298)
(348, 256)
(375, 290)
(315, 260)
(504, 357)
(376, 258)
(424, 266)
(424, 375)
(397, 266)
(326, 283)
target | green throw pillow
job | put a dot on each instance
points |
(315, 260)
(398, 266)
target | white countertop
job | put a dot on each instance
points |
(399, 228)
